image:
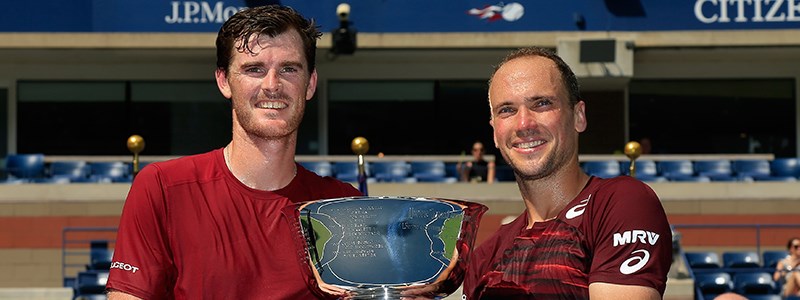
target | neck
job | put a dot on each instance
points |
(546, 197)
(260, 163)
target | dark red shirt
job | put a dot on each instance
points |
(615, 231)
(190, 230)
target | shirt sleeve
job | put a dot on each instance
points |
(631, 236)
(142, 265)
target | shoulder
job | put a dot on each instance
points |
(325, 187)
(622, 188)
(187, 168)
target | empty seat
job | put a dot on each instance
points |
(603, 168)
(672, 169)
(25, 166)
(751, 169)
(91, 282)
(99, 255)
(646, 170)
(741, 259)
(321, 168)
(430, 171)
(703, 260)
(785, 167)
(52, 180)
(77, 171)
(348, 170)
(390, 171)
(110, 171)
(716, 170)
(504, 173)
(771, 258)
(763, 297)
(713, 282)
(754, 283)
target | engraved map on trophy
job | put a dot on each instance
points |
(374, 245)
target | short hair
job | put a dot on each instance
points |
(567, 76)
(271, 20)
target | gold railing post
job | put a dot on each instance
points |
(633, 150)
(360, 146)
(135, 145)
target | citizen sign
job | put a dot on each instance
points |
(193, 12)
(740, 11)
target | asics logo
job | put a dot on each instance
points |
(578, 209)
(635, 263)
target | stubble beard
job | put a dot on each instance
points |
(245, 115)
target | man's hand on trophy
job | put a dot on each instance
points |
(422, 292)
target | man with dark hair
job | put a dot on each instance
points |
(209, 226)
(580, 237)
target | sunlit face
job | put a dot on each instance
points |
(268, 88)
(535, 128)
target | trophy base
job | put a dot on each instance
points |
(381, 292)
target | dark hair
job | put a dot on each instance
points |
(789, 243)
(271, 20)
(567, 76)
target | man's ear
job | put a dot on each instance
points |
(580, 116)
(312, 85)
(222, 82)
(494, 136)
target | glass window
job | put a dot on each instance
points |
(715, 116)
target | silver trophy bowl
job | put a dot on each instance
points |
(377, 247)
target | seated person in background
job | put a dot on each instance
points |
(788, 269)
(477, 170)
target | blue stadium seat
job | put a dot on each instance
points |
(785, 167)
(716, 170)
(348, 170)
(451, 169)
(713, 282)
(430, 171)
(52, 180)
(646, 170)
(752, 169)
(674, 169)
(25, 166)
(99, 255)
(391, 171)
(754, 283)
(504, 173)
(77, 171)
(91, 282)
(602, 168)
(763, 297)
(321, 168)
(741, 259)
(771, 258)
(110, 171)
(703, 260)
(690, 179)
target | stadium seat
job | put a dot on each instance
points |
(52, 180)
(754, 283)
(763, 297)
(603, 168)
(646, 170)
(504, 173)
(391, 171)
(673, 169)
(77, 171)
(430, 171)
(110, 171)
(99, 255)
(751, 169)
(25, 166)
(703, 260)
(771, 258)
(690, 179)
(348, 170)
(91, 282)
(785, 167)
(741, 259)
(321, 168)
(451, 169)
(92, 297)
(716, 170)
(713, 282)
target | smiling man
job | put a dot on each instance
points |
(580, 237)
(209, 226)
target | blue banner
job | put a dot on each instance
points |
(414, 16)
